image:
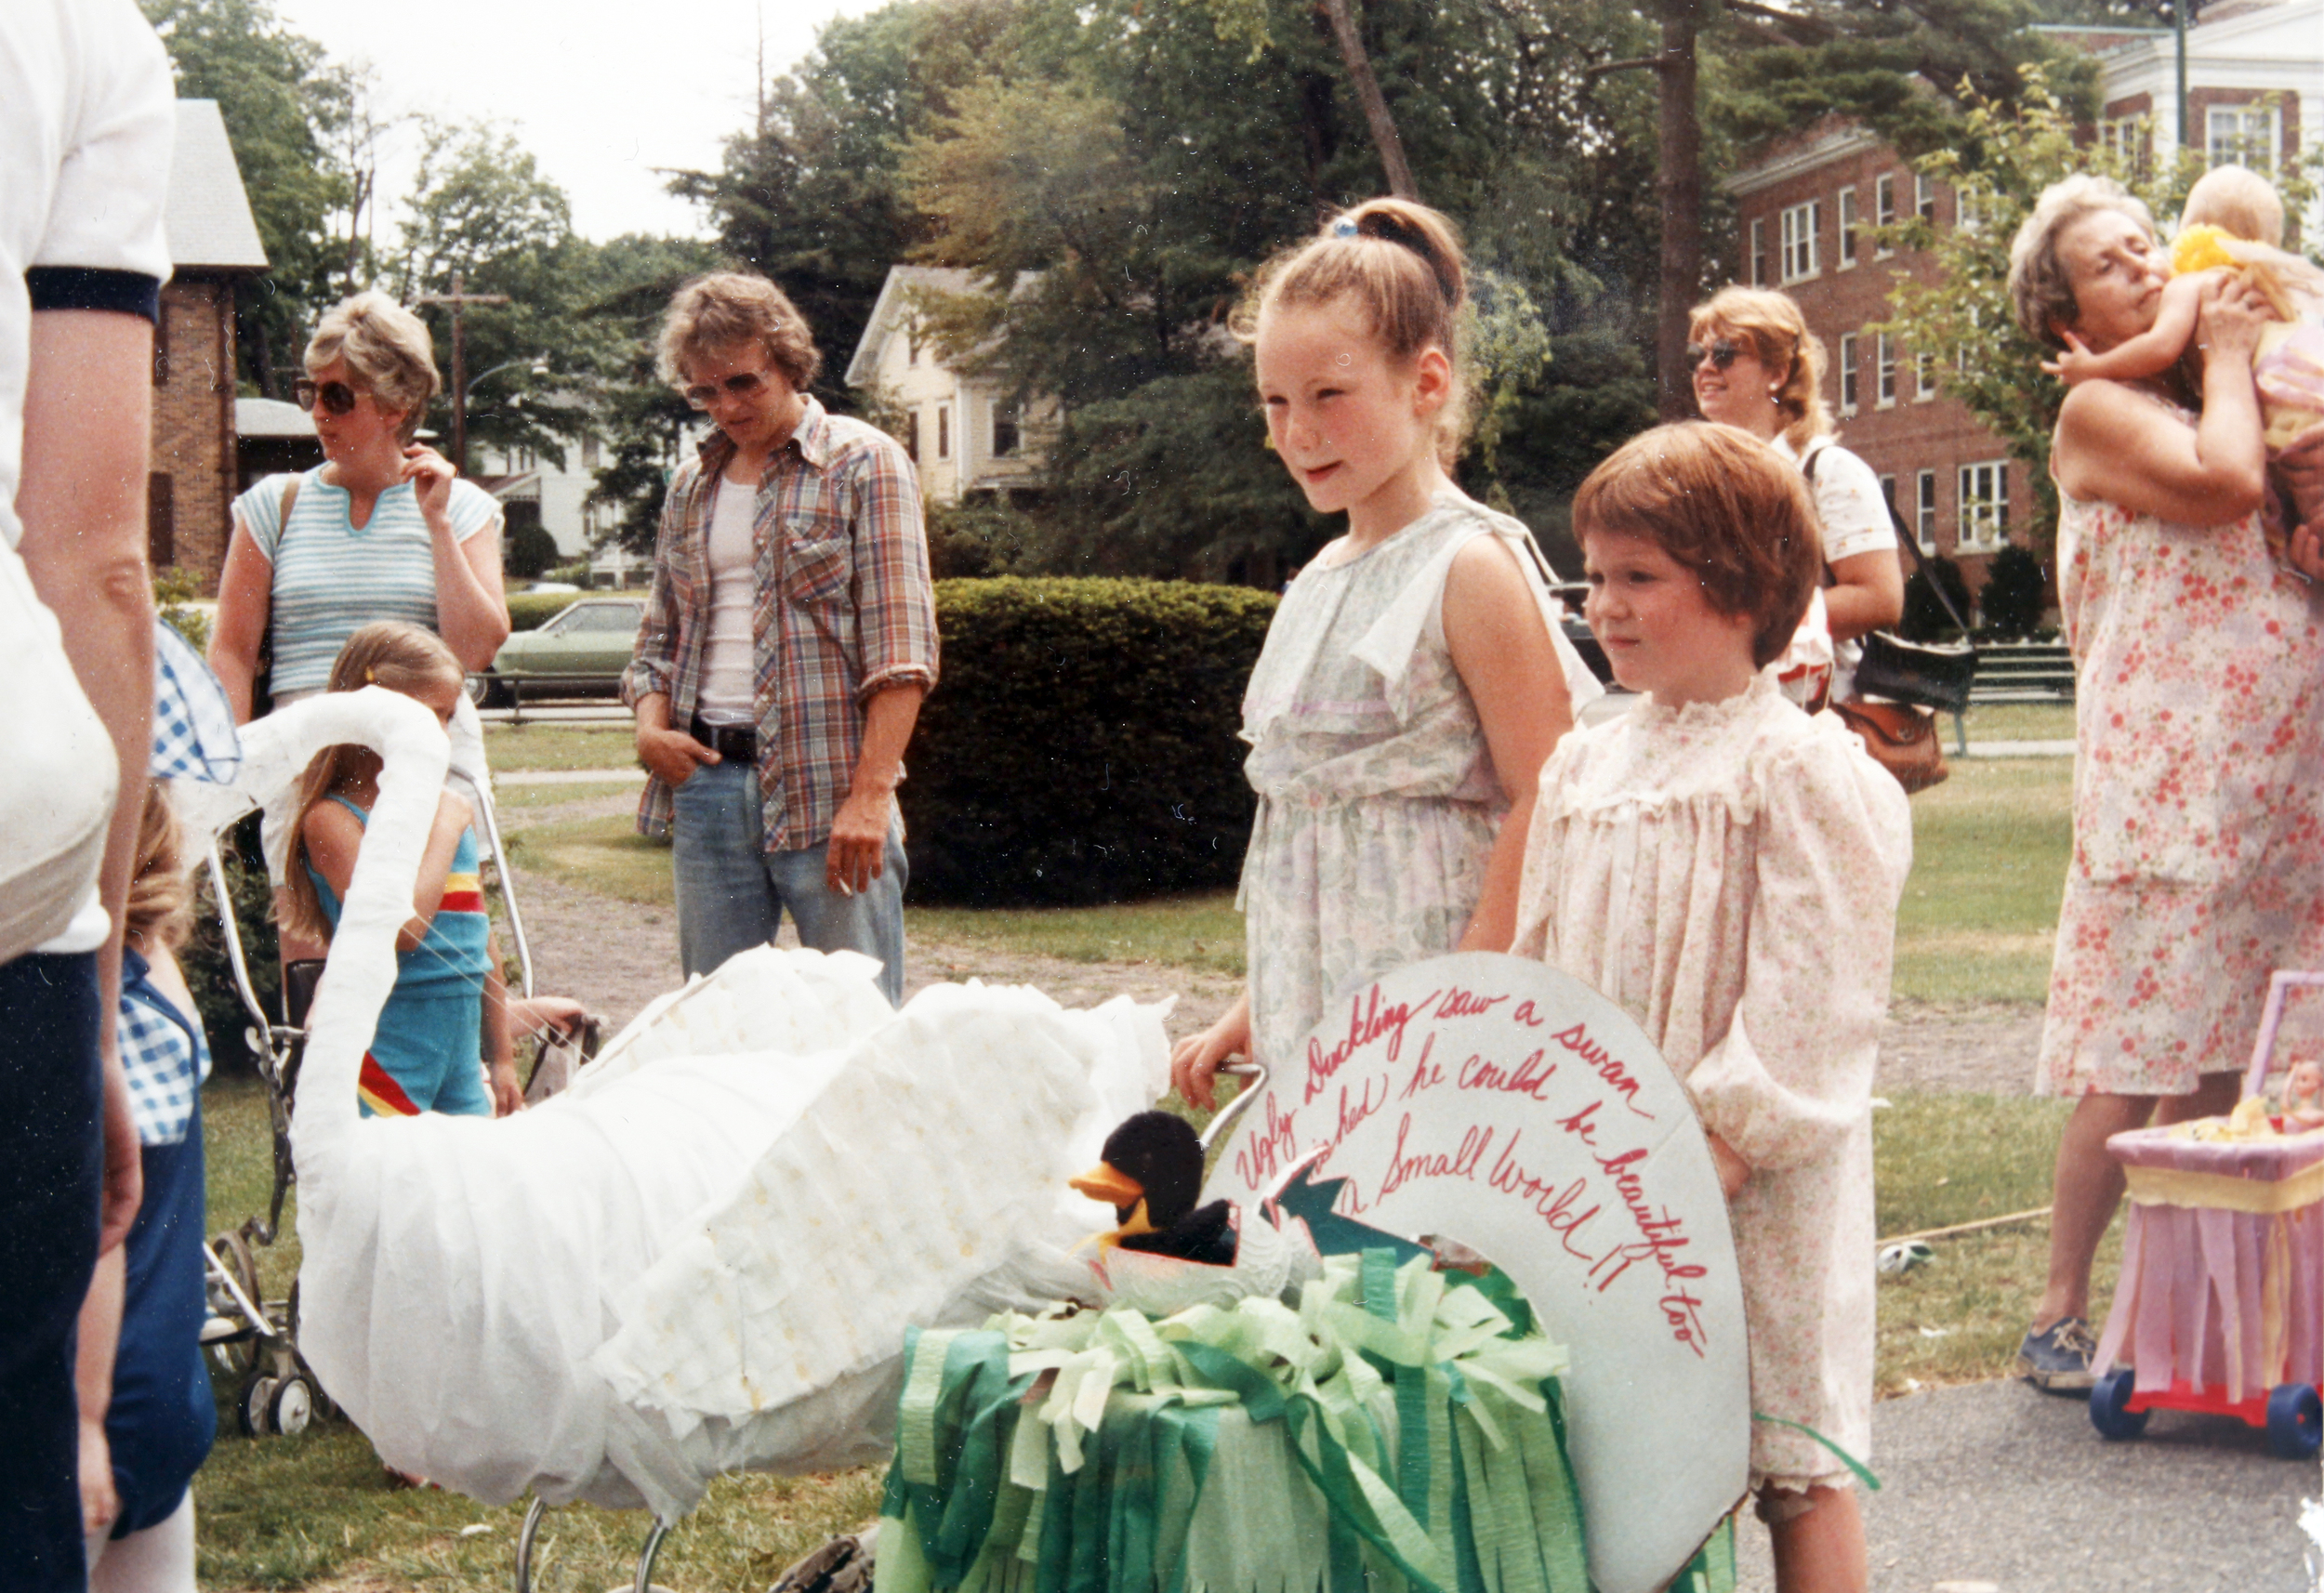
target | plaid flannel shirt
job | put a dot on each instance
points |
(844, 609)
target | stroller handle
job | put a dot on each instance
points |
(2279, 985)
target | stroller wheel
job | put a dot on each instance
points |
(238, 1356)
(2109, 1405)
(2295, 1421)
(292, 1408)
(254, 1407)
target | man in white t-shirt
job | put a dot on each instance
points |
(86, 125)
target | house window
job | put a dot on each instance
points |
(1925, 196)
(1848, 219)
(1888, 493)
(1968, 210)
(1758, 251)
(912, 347)
(1800, 224)
(1884, 203)
(1848, 373)
(589, 453)
(943, 431)
(912, 435)
(1984, 505)
(1007, 434)
(2243, 135)
(2131, 140)
(1924, 511)
(1884, 357)
(1923, 377)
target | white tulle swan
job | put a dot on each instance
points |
(704, 1255)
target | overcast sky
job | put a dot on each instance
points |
(601, 91)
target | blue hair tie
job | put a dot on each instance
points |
(1343, 227)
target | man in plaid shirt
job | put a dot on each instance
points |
(789, 639)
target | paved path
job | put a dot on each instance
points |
(1993, 1488)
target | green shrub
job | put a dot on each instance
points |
(1082, 747)
(1926, 619)
(530, 549)
(2016, 592)
(530, 610)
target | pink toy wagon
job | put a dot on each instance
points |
(2220, 1303)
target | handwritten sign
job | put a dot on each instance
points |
(1498, 1103)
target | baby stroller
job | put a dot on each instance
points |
(251, 1339)
(2220, 1303)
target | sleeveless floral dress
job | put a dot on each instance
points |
(1377, 800)
(2198, 770)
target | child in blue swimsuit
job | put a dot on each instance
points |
(444, 1040)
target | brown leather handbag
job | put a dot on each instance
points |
(1901, 738)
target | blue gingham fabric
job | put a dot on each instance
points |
(165, 1057)
(193, 724)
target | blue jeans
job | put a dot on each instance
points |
(732, 894)
(51, 1166)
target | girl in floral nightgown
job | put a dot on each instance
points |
(1415, 676)
(1727, 869)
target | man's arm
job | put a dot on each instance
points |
(87, 419)
(859, 831)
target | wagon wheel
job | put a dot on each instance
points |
(2109, 1405)
(2295, 1421)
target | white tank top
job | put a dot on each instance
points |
(730, 653)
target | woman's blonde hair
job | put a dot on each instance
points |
(1772, 325)
(1401, 263)
(385, 652)
(1725, 505)
(160, 909)
(727, 308)
(388, 351)
(2041, 290)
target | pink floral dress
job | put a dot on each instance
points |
(1728, 872)
(2199, 857)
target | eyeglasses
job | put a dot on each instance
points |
(335, 398)
(1721, 354)
(742, 385)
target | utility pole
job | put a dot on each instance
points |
(1678, 184)
(459, 300)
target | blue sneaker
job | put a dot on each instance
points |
(2057, 1360)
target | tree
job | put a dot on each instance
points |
(286, 110)
(621, 289)
(480, 209)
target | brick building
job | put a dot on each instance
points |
(1801, 203)
(214, 244)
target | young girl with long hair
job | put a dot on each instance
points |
(1727, 869)
(1415, 677)
(446, 1022)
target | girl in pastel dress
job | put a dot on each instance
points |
(447, 1017)
(1415, 676)
(1728, 869)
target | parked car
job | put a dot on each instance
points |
(581, 651)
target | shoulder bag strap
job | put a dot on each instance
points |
(1920, 562)
(290, 497)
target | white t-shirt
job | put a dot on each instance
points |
(1851, 514)
(729, 652)
(88, 116)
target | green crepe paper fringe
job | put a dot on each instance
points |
(1394, 1432)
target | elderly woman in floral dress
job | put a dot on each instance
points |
(2198, 858)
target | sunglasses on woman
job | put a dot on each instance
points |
(1721, 354)
(743, 383)
(335, 398)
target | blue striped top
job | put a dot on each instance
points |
(330, 578)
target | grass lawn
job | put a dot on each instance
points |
(2013, 721)
(1976, 924)
(545, 746)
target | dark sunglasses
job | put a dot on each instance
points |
(743, 383)
(335, 398)
(1721, 354)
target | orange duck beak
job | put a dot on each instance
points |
(1110, 1184)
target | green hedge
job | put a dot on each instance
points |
(1081, 746)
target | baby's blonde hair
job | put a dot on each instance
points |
(2239, 203)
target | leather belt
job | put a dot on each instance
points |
(734, 743)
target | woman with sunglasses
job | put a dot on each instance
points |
(382, 530)
(1756, 366)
